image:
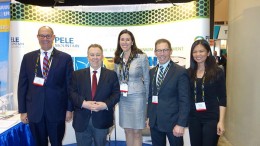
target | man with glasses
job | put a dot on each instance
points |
(168, 102)
(43, 90)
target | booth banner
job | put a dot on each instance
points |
(79, 26)
(4, 47)
(220, 32)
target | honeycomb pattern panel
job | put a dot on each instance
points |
(185, 11)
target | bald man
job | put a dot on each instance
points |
(43, 90)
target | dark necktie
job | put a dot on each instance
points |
(94, 84)
(45, 66)
(160, 77)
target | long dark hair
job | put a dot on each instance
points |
(211, 67)
(134, 49)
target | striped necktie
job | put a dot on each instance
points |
(160, 77)
(45, 66)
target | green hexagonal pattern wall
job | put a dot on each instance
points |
(186, 11)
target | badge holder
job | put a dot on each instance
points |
(124, 89)
(155, 99)
(200, 106)
(38, 81)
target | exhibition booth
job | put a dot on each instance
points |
(77, 27)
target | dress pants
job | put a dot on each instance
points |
(159, 138)
(44, 129)
(203, 132)
(86, 138)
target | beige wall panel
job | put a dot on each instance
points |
(243, 81)
(221, 10)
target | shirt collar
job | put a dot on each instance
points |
(165, 64)
(92, 69)
(49, 51)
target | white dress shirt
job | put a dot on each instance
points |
(97, 74)
(42, 56)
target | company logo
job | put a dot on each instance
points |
(65, 42)
(16, 42)
(201, 38)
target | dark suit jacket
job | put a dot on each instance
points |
(173, 99)
(108, 91)
(52, 98)
(217, 58)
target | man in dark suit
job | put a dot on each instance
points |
(43, 90)
(95, 91)
(217, 58)
(169, 95)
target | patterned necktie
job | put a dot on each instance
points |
(160, 77)
(45, 66)
(94, 84)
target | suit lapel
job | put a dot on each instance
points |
(54, 63)
(101, 80)
(86, 78)
(153, 80)
(39, 69)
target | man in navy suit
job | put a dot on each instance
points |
(169, 95)
(94, 108)
(43, 92)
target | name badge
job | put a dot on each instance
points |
(38, 81)
(200, 106)
(124, 89)
(155, 99)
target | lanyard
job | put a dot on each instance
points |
(124, 67)
(37, 61)
(155, 74)
(202, 89)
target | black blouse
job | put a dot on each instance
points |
(215, 96)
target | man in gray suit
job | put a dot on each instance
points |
(169, 95)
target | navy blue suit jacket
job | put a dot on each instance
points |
(52, 99)
(173, 99)
(108, 91)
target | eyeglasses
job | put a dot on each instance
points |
(41, 36)
(163, 50)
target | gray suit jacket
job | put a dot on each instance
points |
(138, 75)
(173, 99)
